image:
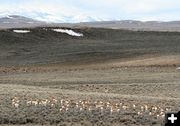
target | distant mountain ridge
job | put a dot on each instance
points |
(16, 21)
(50, 18)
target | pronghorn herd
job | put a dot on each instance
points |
(64, 105)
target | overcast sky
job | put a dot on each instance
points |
(145, 10)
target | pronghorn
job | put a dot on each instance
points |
(62, 108)
(15, 102)
(113, 109)
(106, 91)
(16, 105)
(125, 107)
(134, 106)
(54, 100)
(29, 102)
(101, 108)
(118, 110)
(157, 116)
(163, 115)
(139, 113)
(146, 107)
(44, 102)
(99, 105)
(67, 109)
(142, 108)
(52, 105)
(150, 113)
(89, 109)
(80, 108)
(15, 99)
(62, 101)
(77, 104)
(36, 102)
(108, 104)
(154, 108)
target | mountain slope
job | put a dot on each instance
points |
(134, 25)
(15, 21)
(42, 46)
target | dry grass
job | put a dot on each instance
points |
(24, 110)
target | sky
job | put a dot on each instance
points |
(89, 10)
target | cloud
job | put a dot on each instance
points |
(99, 9)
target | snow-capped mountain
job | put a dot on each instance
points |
(11, 21)
(50, 18)
(15, 19)
(64, 19)
(39, 19)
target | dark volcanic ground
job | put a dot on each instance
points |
(98, 45)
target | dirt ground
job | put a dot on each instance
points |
(110, 82)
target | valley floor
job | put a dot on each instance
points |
(110, 94)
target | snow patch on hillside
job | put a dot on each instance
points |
(21, 31)
(178, 68)
(69, 32)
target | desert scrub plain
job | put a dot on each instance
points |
(105, 78)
